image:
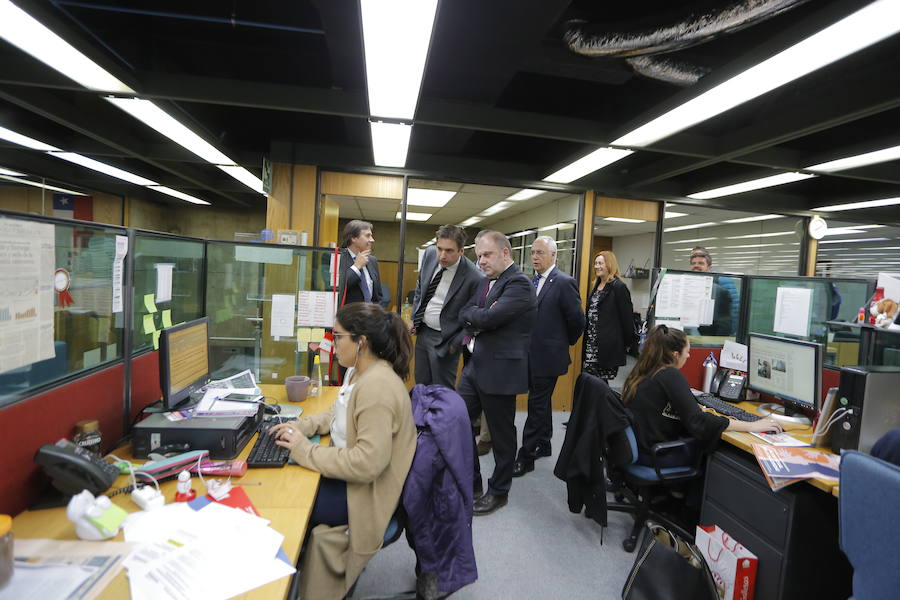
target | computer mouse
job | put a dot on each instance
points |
(272, 409)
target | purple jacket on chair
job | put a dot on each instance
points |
(437, 495)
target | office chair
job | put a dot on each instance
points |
(635, 486)
(869, 520)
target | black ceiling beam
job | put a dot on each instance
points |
(94, 126)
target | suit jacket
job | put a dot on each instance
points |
(466, 283)
(504, 324)
(381, 442)
(350, 280)
(559, 324)
(614, 325)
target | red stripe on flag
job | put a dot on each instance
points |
(84, 208)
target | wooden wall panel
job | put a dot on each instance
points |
(627, 208)
(108, 209)
(278, 208)
(303, 203)
(357, 184)
(329, 214)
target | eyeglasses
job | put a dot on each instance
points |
(337, 335)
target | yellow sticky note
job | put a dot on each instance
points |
(156, 340)
(149, 303)
(304, 335)
(167, 318)
(149, 325)
(316, 334)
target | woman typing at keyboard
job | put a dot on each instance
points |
(662, 405)
(373, 441)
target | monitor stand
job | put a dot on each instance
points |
(784, 414)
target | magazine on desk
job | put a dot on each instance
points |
(785, 465)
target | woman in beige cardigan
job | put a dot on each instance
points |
(373, 441)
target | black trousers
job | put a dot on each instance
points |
(500, 412)
(432, 369)
(331, 504)
(539, 424)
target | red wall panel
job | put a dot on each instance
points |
(693, 368)
(144, 382)
(43, 419)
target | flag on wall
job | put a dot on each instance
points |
(68, 206)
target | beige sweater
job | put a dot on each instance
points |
(381, 441)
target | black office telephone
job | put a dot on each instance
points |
(729, 384)
(73, 469)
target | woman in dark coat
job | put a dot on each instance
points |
(610, 322)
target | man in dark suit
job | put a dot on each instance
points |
(360, 281)
(498, 319)
(447, 280)
(559, 324)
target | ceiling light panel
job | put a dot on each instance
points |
(624, 220)
(176, 194)
(23, 140)
(244, 176)
(674, 215)
(432, 198)
(23, 31)
(493, 210)
(588, 164)
(396, 36)
(414, 216)
(747, 186)
(42, 185)
(390, 143)
(760, 235)
(5, 171)
(859, 205)
(752, 219)
(525, 195)
(685, 227)
(471, 221)
(104, 168)
(860, 160)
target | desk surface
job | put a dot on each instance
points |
(285, 496)
(744, 440)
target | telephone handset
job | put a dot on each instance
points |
(73, 469)
(728, 384)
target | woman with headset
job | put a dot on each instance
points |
(373, 439)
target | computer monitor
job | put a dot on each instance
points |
(788, 369)
(183, 361)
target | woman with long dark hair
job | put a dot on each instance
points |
(609, 328)
(662, 405)
(373, 439)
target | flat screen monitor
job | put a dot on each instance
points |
(183, 361)
(788, 369)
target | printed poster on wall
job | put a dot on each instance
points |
(27, 265)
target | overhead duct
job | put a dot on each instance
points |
(676, 72)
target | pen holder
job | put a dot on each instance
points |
(296, 386)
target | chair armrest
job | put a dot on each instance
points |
(662, 448)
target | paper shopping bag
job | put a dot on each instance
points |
(733, 567)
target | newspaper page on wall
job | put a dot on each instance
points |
(27, 260)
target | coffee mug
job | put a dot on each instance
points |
(296, 386)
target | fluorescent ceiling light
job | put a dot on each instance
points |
(684, 227)
(390, 143)
(588, 164)
(860, 160)
(104, 168)
(244, 176)
(471, 221)
(557, 226)
(42, 185)
(624, 220)
(5, 171)
(423, 197)
(867, 226)
(746, 186)
(23, 31)
(175, 193)
(878, 248)
(22, 140)
(871, 24)
(492, 210)
(396, 35)
(859, 205)
(673, 215)
(751, 219)
(752, 246)
(854, 240)
(760, 235)
(414, 216)
(692, 240)
(844, 231)
(526, 194)
(521, 233)
(156, 118)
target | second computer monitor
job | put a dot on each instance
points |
(788, 369)
(183, 361)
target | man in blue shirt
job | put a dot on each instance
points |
(725, 295)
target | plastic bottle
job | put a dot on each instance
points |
(709, 370)
(315, 379)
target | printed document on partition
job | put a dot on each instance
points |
(734, 356)
(118, 272)
(315, 309)
(282, 321)
(164, 281)
(792, 311)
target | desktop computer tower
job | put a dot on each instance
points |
(872, 397)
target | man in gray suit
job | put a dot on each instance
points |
(447, 280)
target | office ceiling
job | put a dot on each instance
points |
(504, 100)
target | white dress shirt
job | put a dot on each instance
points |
(543, 279)
(339, 420)
(432, 317)
(365, 272)
(471, 345)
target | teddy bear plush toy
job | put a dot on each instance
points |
(884, 311)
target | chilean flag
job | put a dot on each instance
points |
(68, 206)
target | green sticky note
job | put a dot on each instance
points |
(167, 318)
(156, 340)
(149, 325)
(150, 303)
(223, 314)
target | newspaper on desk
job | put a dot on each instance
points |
(64, 570)
(213, 553)
(241, 383)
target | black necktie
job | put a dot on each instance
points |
(429, 293)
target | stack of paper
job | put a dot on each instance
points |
(213, 553)
(783, 466)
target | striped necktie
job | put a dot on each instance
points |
(429, 294)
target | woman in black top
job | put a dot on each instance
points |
(661, 402)
(609, 329)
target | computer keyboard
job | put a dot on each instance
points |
(265, 453)
(725, 408)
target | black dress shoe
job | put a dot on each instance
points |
(542, 450)
(520, 467)
(488, 503)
